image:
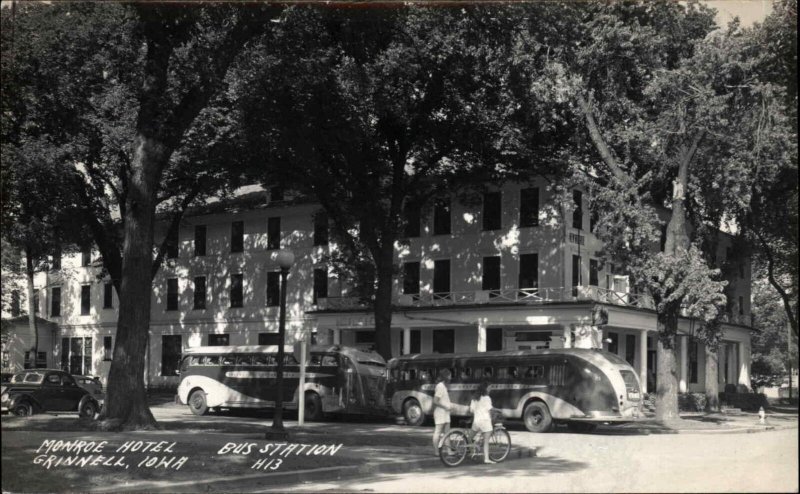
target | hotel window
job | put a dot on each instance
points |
(528, 271)
(172, 244)
(41, 360)
(55, 265)
(273, 289)
(441, 217)
(494, 339)
(415, 342)
(55, 301)
(171, 349)
(199, 292)
(594, 272)
(76, 355)
(200, 240)
(274, 233)
(237, 285)
(576, 274)
(443, 341)
(577, 213)
(86, 256)
(172, 294)
(441, 276)
(237, 236)
(411, 278)
(412, 217)
(108, 348)
(108, 295)
(219, 339)
(86, 299)
(320, 228)
(492, 211)
(529, 207)
(320, 284)
(268, 338)
(491, 273)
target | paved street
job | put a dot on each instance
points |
(381, 456)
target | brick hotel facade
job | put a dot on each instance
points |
(518, 271)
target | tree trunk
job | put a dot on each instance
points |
(712, 380)
(32, 325)
(126, 403)
(383, 300)
(667, 376)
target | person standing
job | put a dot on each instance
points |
(441, 408)
(481, 406)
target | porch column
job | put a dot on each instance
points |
(682, 386)
(643, 359)
(337, 336)
(481, 335)
(567, 336)
(744, 364)
(406, 341)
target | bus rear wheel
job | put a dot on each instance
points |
(537, 417)
(313, 410)
(412, 412)
(197, 402)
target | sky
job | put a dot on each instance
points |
(749, 11)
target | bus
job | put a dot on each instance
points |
(338, 379)
(577, 387)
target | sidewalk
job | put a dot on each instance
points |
(229, 452)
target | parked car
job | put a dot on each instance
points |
(92, 385)
(46, 390)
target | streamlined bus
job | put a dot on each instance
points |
(579, 387)
(338, 379)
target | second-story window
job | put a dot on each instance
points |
(411, 278)
(219, 339)
(86, 256)
(108, 295)
(108, 348)
(172, 245)
(199, 292)
(55, 265)
(237, 236)
(55, 301)
(172, 294)
(492, 211)
(86, 299)
(594, 272)
(273, 289)
(274, 233)
(441, 276)
(491, 273)
(528, 271)
(320, 284)
(576, 274)
(529, 207)
(237, 290)
(577, 213)
(441, 217)
(320, 228)
(200, 240)
(412, 218)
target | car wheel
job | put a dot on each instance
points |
(88, 410)
(313, 410)
(537, 417)
(412, 412)
(22, 410)
(197, 402)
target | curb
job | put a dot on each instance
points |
(727, 430)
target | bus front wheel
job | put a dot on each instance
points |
(537, 417)
(412, 412)
(313, 407)
(197, 402)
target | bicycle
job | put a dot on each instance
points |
(458, 443)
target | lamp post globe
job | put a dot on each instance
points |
(284, 258)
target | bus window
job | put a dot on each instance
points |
(465, 373)
(487, 372)
(210, 360)
(476, 372)
(261, 359)
(329, 361)
(315, 360)
(502, 373)
(411, 375)
(228, 359)
(534, 372)
(195, 360)
(289, 359)
(513, 373)
(245, 360)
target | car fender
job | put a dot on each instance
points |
(18, 398)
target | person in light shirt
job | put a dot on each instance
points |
(441, 409)
(481, 406)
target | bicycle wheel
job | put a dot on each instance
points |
(454, 448)
(499, 445)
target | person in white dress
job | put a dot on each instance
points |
(481, 406)
(441, 409)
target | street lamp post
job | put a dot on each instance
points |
(284, 258)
